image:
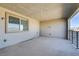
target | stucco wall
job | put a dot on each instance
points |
(13, 38)
(54, 28)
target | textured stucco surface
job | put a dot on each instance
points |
(13, 38)
(54, 28)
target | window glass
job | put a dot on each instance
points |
(24, 25)
(13, 24)
(16, 23)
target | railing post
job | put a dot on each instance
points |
(72, 37)
(77, 40)
(69, 34)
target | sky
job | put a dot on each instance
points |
(75, 21)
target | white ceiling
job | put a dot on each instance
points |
(42, 11)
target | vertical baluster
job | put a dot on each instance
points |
(72, 37)
(69, 35)
(77, 40)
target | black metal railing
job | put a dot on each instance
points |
(74, 37)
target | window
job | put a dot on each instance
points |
(13, 24)
(16, 24)
(23, 25)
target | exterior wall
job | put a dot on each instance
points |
(54, 28)
(13, 38)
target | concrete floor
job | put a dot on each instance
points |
(42, 46)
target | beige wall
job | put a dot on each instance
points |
(54, 28)
(13, 38)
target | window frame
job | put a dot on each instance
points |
(7, 14)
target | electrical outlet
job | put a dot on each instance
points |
(5, 40)
(37, 32)
(49, 26)
(50, 34)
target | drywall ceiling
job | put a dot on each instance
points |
(42, 11)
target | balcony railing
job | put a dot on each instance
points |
(74, 37)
